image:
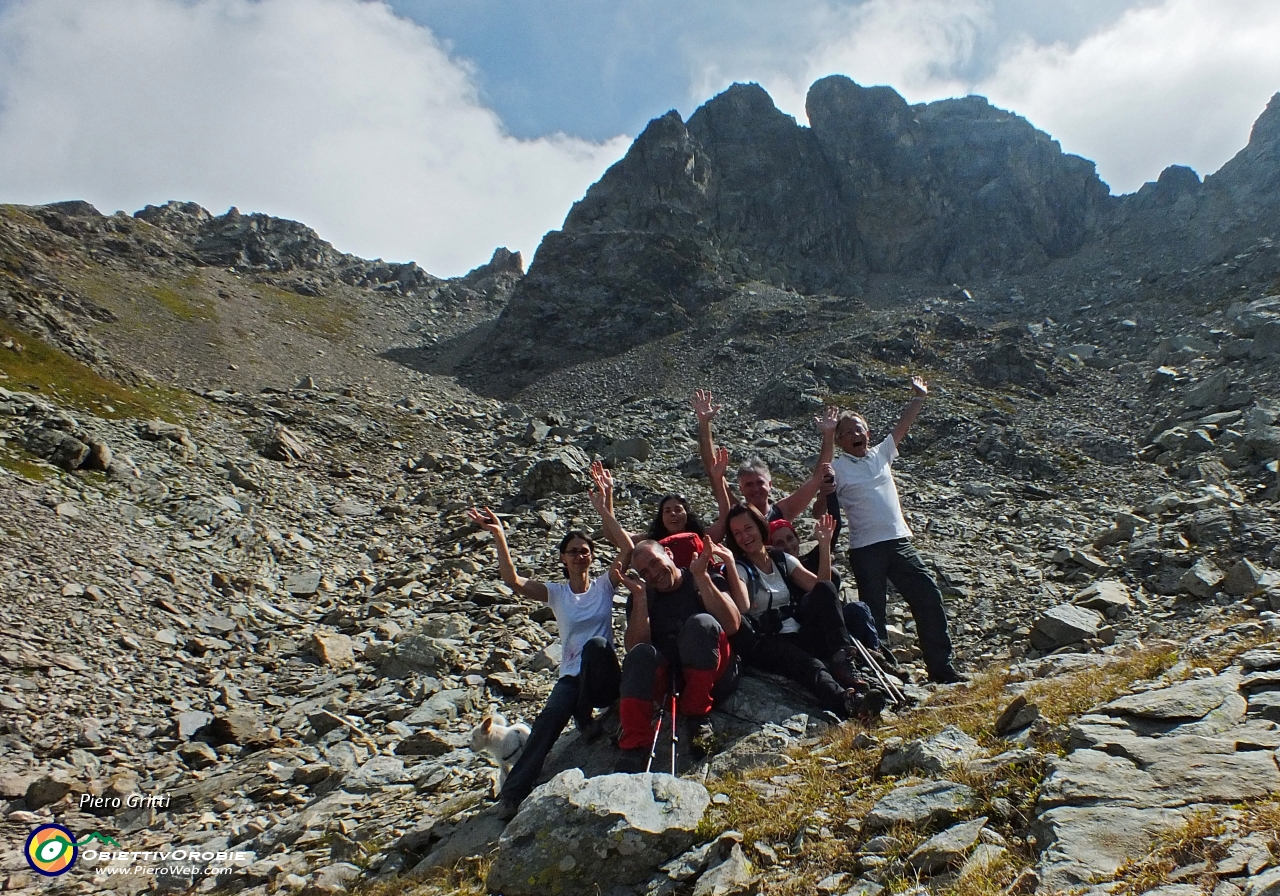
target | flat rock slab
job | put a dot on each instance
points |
(574, 834)
(1090, 843)
(1062, 625)
(1109, 597)
(920, 805)
(1260, 659)
(948, 748)
(948, 848)
(1150, 772)
(1185, 700)
(1266, 704)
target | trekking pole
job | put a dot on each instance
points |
(657, 732)
(882, 678)
(675, 733)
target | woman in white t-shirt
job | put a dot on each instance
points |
(589, 670)
(793, 625)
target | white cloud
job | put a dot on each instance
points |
(1168, 82)
(334, 112)
(1178, 83)
(913, 46)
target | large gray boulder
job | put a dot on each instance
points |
(920, 805)
(584, 835)
(948, 748)
(562, 473)
(1062, 625)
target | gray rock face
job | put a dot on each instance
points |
(574, 834)
(949, 748)
(920, 805)
(1140, 764)
(563, 473)
(1109, 597)
(948, 848)
(1062, 625)
(741, 191)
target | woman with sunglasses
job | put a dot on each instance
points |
(589, 670)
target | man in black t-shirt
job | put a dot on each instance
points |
(678, 621)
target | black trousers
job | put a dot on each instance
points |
(896, 560)
(800, 655)
(574, 696)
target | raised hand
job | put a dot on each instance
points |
(487, 520)
(698, 566)
(721, 553)
(719, 464)
(629, 578)
(704, 407)
(919, 386)
(601, 494)
(824, 529)
(827, 420)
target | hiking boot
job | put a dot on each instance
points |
(590, 731)
(948, 675)
(507, 808)
(885, 657)
(844, 672)
(700, 734)
(632, 762)
(865, 707)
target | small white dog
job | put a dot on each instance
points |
(502, 742)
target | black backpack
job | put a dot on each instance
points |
(770, 621)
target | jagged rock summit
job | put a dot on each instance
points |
(951, 191)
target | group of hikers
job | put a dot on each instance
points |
(703, 600)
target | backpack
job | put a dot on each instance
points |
(684, 546)
(770, 621)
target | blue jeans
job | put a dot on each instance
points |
(573, 697)
(896, 560)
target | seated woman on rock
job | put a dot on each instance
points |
(793, 624)
(589, 670)
(857, 615)
(676, 525)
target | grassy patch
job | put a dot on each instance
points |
(1198, 839)
(52, 373)
(183, 304)
(318, 315)
(16, 461)
(465, 878)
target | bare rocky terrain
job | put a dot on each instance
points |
(238, 580)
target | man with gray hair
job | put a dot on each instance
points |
(755, 483)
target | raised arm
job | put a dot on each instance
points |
(705, 409)
(487, 520)
(637, 631)
(826, 424)
(718, 603)
(602, 501)
(824, 530)
(794, 504)
(718, 473)
(828, 502)
(737, 587)
(911, 411)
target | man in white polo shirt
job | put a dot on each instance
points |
(880, 549)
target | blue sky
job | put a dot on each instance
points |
(435, 130)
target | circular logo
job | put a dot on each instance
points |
(51, 850)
